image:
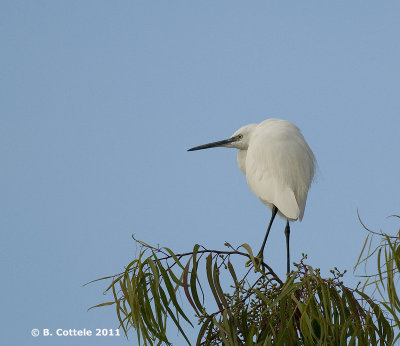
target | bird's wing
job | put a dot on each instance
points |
(266, 174)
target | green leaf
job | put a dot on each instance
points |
(205, 326)
(186, 287)
(174, 257)
(102, 304)
(250, 252)
(218, 288)
(193, 278)
(171, 291)
(119, 309)
(165, 302)
(211, 281)
(233, 274)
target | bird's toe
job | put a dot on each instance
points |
(256, 263)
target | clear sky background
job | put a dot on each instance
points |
(101, 99)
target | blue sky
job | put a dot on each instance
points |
(100, 100)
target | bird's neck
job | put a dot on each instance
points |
(241, 159)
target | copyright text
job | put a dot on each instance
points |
(75, 332)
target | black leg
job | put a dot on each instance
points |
(274, 211)
(287, 234)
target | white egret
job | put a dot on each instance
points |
(279, 167)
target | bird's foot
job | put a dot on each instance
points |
(257, 262)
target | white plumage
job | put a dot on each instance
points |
(278, 164)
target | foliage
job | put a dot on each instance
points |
(386, 256)
(257, 308)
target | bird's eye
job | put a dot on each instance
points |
(240, 136)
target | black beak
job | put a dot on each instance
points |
(215, 144)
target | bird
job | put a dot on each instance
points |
(279, 167)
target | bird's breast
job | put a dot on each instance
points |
(241, 159)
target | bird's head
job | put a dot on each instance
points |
(239, 140)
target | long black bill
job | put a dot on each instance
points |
(215, 144)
